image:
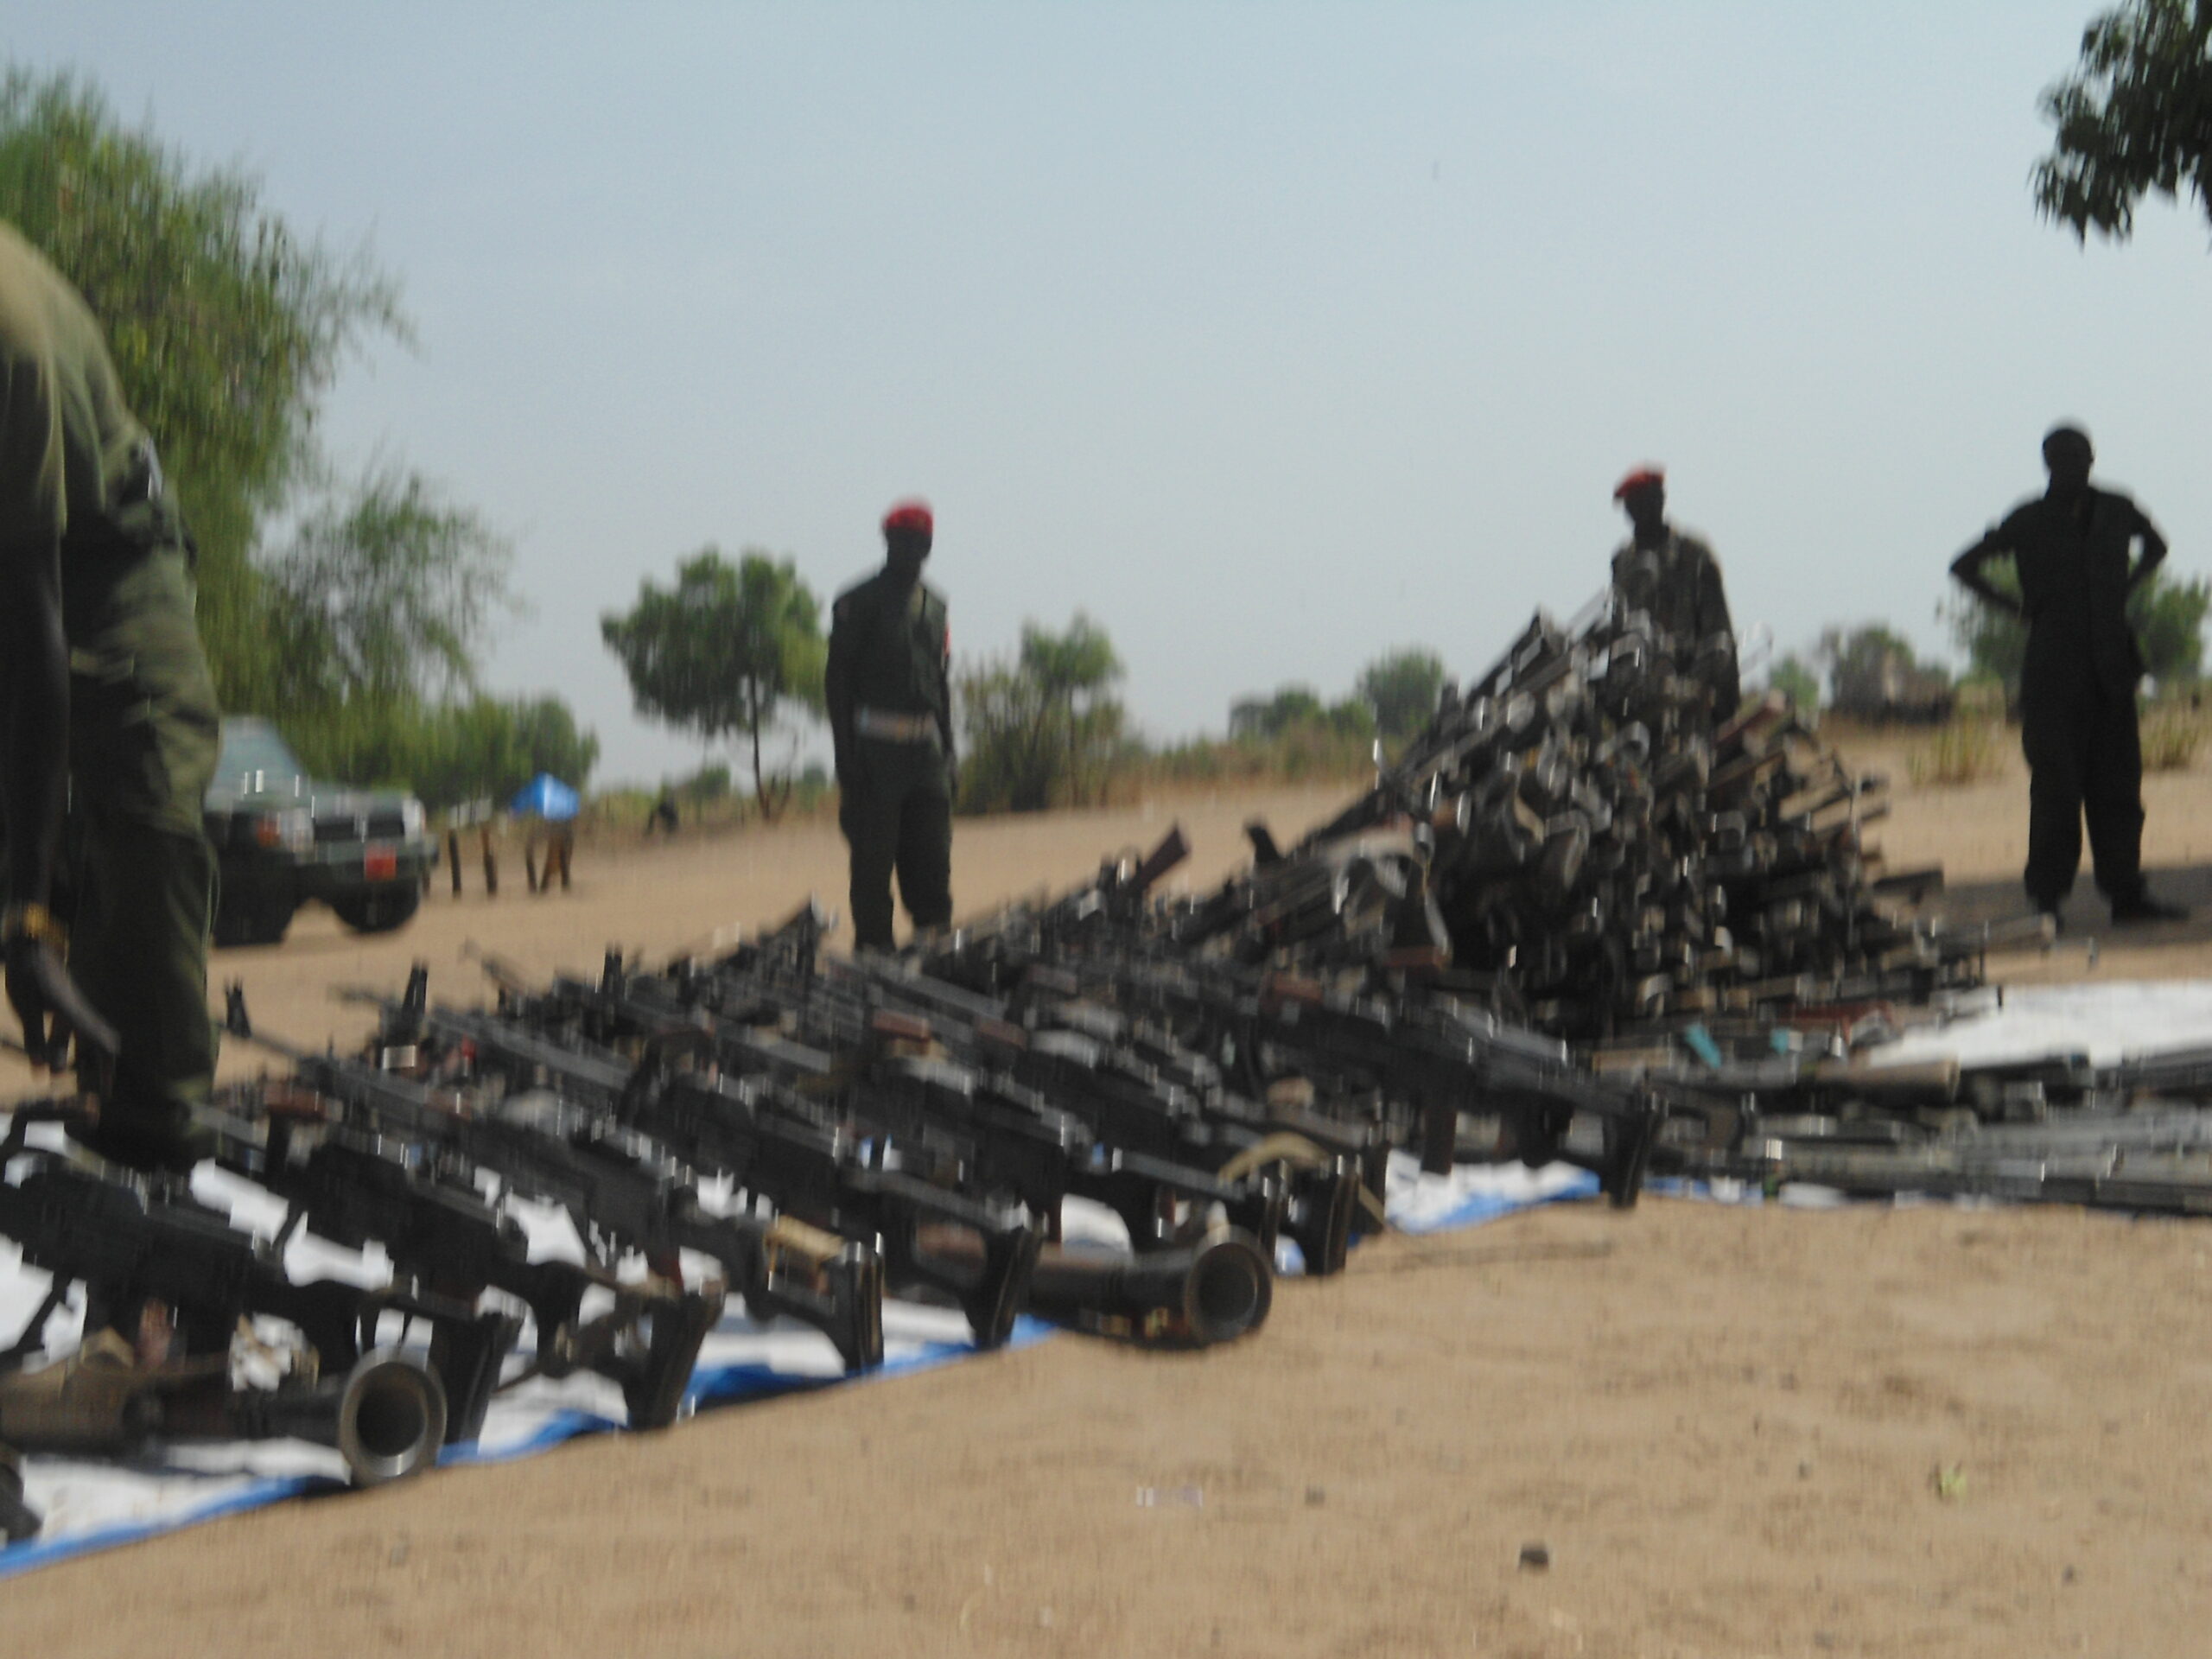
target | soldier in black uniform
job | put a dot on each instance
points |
(1676, 580)
(890, 704)
(2072, 550)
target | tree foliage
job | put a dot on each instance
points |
(2167, 613)
(724, 652)
(451, 754)
(1044, 728)
(385, 596)
(1401, 687)
(227, 327)
(1795, 679)
(1291, 709)
(2134, 118)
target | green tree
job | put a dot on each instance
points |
(484, 748)
(1287, 709)
(1793, 677)
(1402, 687)
(2168, 615)
(724, 653)
(2133, 118)
(1872, 673)
(1043, 729)
(385, 596)
(227, 325)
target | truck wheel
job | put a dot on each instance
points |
(381, 910)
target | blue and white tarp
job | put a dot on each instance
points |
(90, 1505)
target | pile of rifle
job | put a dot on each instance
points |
(1571, 854)
(806, 1135)
(1578, 839)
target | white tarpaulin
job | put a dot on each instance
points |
(90, 1505)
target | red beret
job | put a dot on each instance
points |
(909, 518)
(1641, 478)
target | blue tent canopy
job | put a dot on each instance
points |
(546, 797)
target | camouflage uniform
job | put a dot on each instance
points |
(890, 704)
(79, 482)
(1678, 585)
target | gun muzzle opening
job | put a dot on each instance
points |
(1228, 1291)
(391, 1418)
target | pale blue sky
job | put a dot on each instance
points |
(1273, 336)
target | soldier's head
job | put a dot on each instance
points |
(2068, 456)
(1642, 496)
(907, 529)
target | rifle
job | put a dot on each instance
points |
(611, 1189)
(770, 1143)
(128, 1241)
(1176, 1131)
(1434, 1055)
(981, 1128)
(984, 1135)
(352, 1187)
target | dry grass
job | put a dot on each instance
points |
(1964, 751)
(2172, 732)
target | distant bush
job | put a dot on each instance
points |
(2172, 733)
(1964, 751)
(446, 754)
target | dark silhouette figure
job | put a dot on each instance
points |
(2072, 551)
(1675, 579)
(662, 816)
(889, 696)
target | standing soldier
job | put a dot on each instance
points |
(104, 699)
(2071, 548)
(1676, 580)
(890, 702)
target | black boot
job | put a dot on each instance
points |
(2142, 908)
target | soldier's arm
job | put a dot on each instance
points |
(34, 715)
(1971, 569)
(33, 653)
(2154, 550)
(1713, 619)
(945, 690)
(837, 686)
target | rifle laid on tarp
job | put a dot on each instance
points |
(883, 1069)
(988, 1136)
(354, 1187)
(613, 1190)
(1436, 1056)
(1189, 1140)
(130, 1241)
(767, 1141)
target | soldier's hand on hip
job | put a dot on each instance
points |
(52, 1008)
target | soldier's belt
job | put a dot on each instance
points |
(887, 726)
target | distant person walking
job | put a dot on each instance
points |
(2073, 549)
(890, 702)
(1676, 580)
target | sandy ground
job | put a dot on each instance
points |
(1732, 1432)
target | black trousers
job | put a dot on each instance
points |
(2085, 760)
(896, 811)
